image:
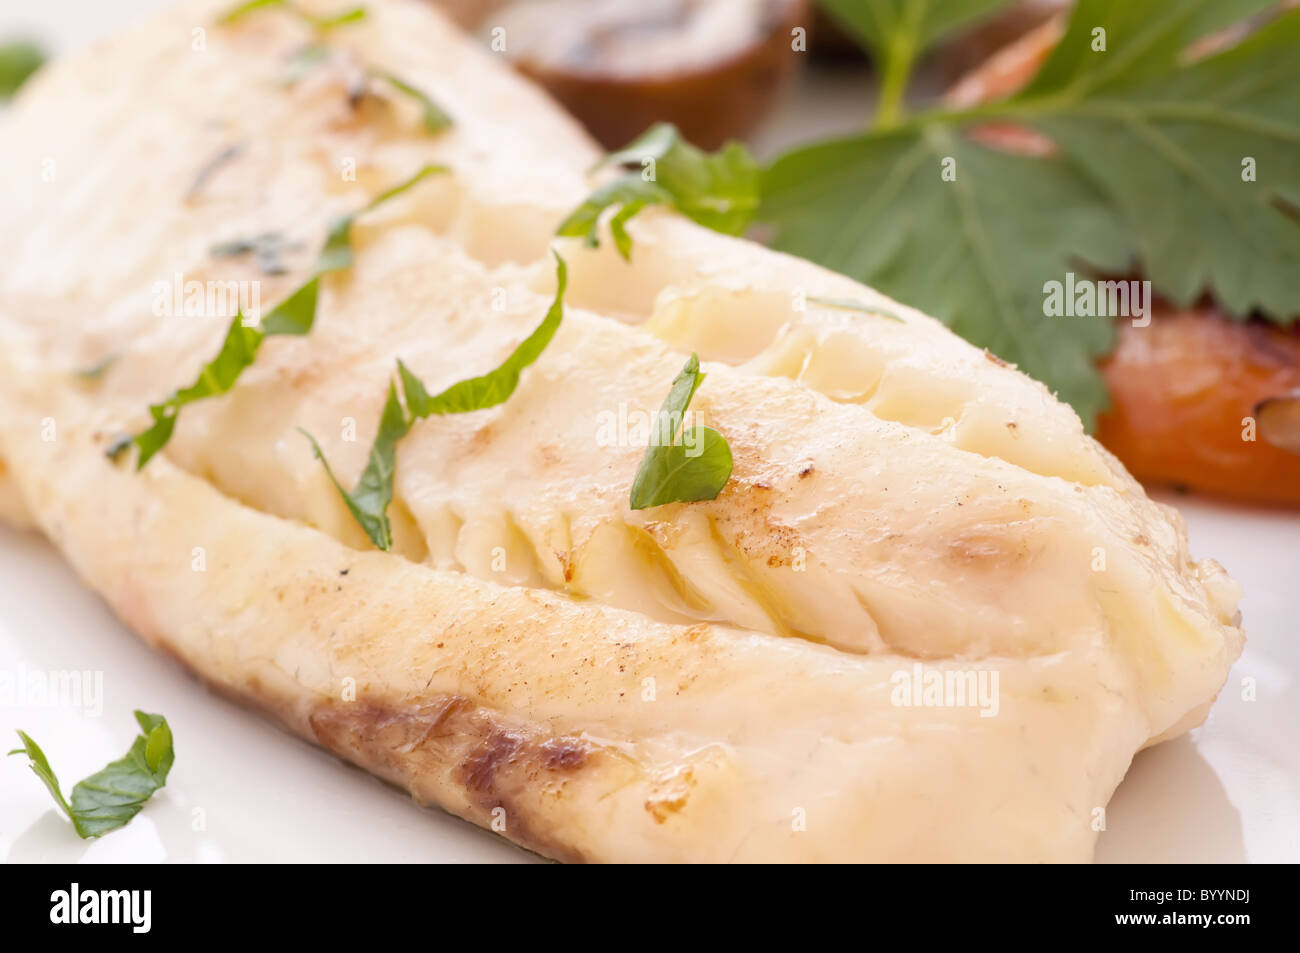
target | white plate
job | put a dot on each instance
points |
(244, 791)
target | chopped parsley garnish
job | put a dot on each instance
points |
(681, 466)
(110, 797)
(368, 502)
(295, 315)
(720, 191)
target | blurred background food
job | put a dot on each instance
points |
(713, 68)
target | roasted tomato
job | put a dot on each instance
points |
(1208, 403)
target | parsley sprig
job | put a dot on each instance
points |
(1153, 148)
(110, 797)
(18, 61)
(435, 118)
(720, 191)
(368, 502)
(350, 15)
(681, 465)
(294, 316)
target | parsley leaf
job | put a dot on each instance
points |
(846, 304)
(897, 32)
(368, 503)
(238, 350)
(337, 253)
(1149, 171)
(110, 797)
(266, 249)
(695, 466)
(18, 61)
(496, 386)
(352, 15)
(435, 118)
(97, 370)
(295, 315)
(720, 191)
(1167, 141)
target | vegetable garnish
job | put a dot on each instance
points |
(217, 377)
(435, 118)
(337, 253)
(352, 15)
(368, 503)
(494, 387)
(844, 304)
(97, 370)
(681, 469)
(212, 167)
(1182, 164)
(897, 32)
(295, 315)
(720, 191)
(266, 249)
(17, 62)
(110, 797)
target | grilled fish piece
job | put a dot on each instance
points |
(730, 679)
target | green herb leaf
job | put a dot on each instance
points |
(844, 304)
(435, 118)
(496, 386)
(266, 249)
(897, 32)
(18, 61)
(720, 191)
(41, 768)
(688, 469)
(217, 377)
(631, 192)
(110, 797)
(368, 503)
(295, 315)
(250, 6)
(353, 15)
(98, 369)
(1150, 172)
(1167, 141)
(337, 253)
(879, 24)
(374, 491)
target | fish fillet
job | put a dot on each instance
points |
(711, 681)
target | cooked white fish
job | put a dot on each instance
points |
(722, 680)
